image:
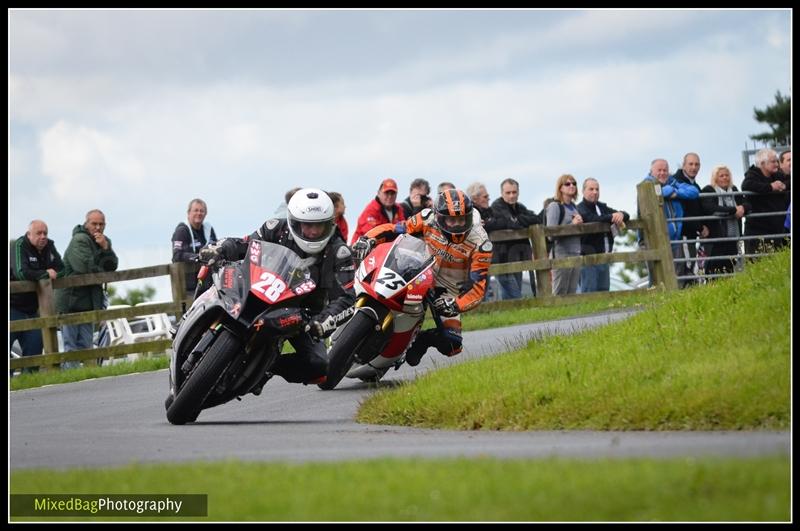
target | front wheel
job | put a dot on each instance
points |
(344, 348)
(186, 405)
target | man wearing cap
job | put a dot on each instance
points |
(382, 209)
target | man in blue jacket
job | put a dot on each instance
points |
(673, 192)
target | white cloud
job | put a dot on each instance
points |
(82, 162)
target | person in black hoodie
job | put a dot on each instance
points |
(506, 209)
(692, 230)
(33, 257)
(765, 179)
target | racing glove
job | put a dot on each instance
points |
(362, 247)
(211, 253)
(319, 327)
(446, 306)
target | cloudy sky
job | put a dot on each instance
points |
(137, 112)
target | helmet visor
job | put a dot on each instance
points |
(312, 231)
(454, 224)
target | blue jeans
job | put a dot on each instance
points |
(76, 337)
(30, 341)
(595, 278)
(510, 285)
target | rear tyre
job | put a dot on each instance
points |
(344, 349)
(189, 398)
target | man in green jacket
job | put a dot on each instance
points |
(89, 251)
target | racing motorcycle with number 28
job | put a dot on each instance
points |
(392, 286)
(232, 334)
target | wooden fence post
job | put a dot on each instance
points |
(656, 234)
(177, 278)
(47, 307)
(544, 288)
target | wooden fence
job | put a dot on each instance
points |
(651, 222)
(49, 321)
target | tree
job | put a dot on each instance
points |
(779, 119)
(630, 272)
(132, 297)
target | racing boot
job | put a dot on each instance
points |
(422, 342)
(260, 385)
(317, 381)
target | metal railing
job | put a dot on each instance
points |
(738, 261)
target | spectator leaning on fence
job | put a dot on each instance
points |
(563, 211)
(598, 277)
(89, 251)
(692, 230)
(672, 191)
(189, 237)
(785, 163)
(33, 257)
(507, 210)
(765, 179)
(480, 202)
(730, 209)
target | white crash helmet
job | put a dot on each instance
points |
(310, 205)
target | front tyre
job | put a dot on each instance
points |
(344, 348)
(189, 398)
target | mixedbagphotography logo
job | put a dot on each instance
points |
(164, 505)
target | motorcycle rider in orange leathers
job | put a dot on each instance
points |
(463, 255)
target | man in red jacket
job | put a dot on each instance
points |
(382, 209)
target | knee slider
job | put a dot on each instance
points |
(449, 342)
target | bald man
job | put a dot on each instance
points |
(33, 257)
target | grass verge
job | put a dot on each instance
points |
(714, 357)
(56, 376)
(756, 489)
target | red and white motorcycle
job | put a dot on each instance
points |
(391, 285)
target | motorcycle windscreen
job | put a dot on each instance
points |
(409, 257)
(276, 272)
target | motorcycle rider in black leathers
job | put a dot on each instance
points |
(309, 231)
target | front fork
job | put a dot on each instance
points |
(372, 345)
(198, 350)
(383, 323)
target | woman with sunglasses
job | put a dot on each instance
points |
(563, 211)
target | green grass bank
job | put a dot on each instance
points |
(472, 490)
(713, 357)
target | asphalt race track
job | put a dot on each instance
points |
(119, 420)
